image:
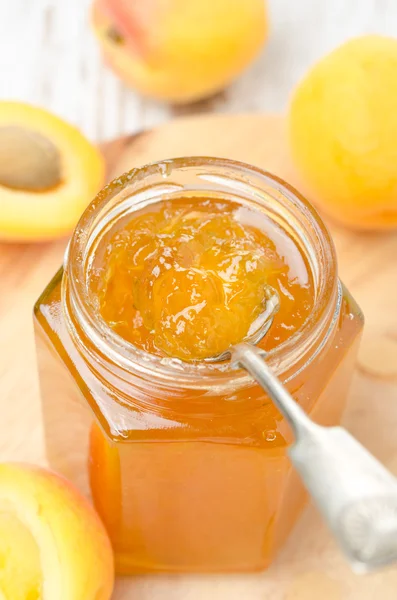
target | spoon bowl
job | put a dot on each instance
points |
(258, 328)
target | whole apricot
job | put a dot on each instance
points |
(179, 50)
(343, 132)
(52, 543)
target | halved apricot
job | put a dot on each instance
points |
(48, 173)
(52, 543)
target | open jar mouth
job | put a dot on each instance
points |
(221, 178)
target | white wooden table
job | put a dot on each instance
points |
(48, 56)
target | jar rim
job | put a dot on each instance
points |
(117, 351)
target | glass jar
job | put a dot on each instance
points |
(187, 465)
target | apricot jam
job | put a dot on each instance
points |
(187, 278)
(186, 460)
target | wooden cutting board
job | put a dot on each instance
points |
(310, 567)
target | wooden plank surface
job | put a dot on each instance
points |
(310, 567)
(48, 56)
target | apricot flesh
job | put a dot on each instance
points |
(52, 543)
(180, 50)
(48, 174)
(20, 575)
(343, 133)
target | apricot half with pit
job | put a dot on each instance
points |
(48, 174)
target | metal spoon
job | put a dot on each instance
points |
(259, 327)
(355, 493)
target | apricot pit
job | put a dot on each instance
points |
(28, 160)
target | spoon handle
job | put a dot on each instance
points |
(355, 493)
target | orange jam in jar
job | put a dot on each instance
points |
(188, 278)
(185, 459)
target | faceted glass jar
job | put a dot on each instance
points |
(186, 464)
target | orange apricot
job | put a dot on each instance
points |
(180, 50)
(52, 543)
(49, 172)
(343, 133)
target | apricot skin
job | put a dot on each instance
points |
(343, 133)
(179, 50)
(76, 560)
(27, 215)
